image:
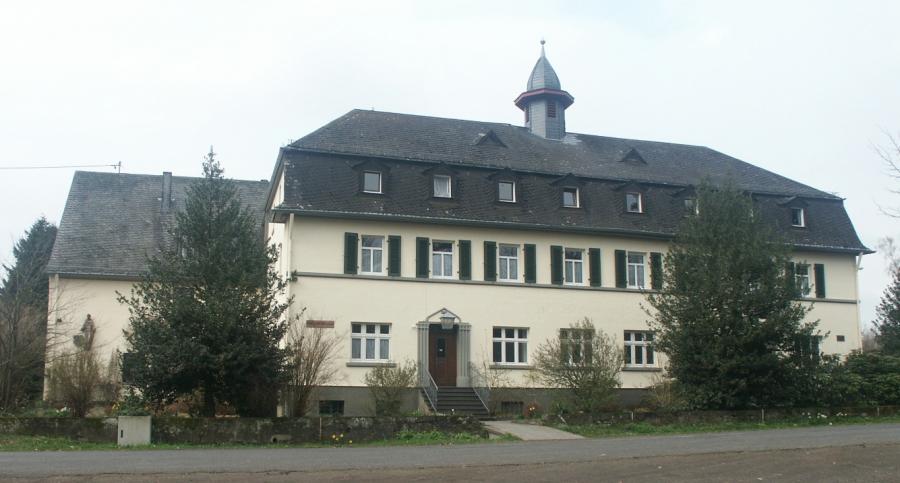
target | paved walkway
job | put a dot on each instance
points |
(528, 432)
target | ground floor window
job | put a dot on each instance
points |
(370, 342)
(510, 345)
(639, 349)
(575, 345)
(331, 408)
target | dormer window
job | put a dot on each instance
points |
(372, 182)
(633, 203)
(691, 207)
(442, 186)
(798, 217)
(570, 198)
(506, 191)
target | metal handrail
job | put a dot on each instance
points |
(481, 388)
(431, 389)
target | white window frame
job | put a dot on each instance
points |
(643, 346)
(363, 249)
(696, 206)
(442, 255)
(803, 281)
(576, 263)
(802, 212)
(517, 340)
(632, 282)
(511, 183)
(434, 190)
(377, 337)
(567, 342)
(380, 182)
(640, 200)
(508, 261)
(577, 196)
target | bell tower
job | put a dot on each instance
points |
(544, 102)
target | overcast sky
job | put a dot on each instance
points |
(805, 89)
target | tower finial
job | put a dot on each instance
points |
(542, 46)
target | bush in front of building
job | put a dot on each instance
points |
(388, 384)
(75, 379)
(586, 362)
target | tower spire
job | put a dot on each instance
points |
(544, 102)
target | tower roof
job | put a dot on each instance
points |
(543, 76)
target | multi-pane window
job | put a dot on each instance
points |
(574, 266)
(508, 263)
(570, 197)
(442, 188)
(639, 349)
(575, 345)
(506, 191)
(633, 203)
(510, 345)
(798, 217)
(690, 206)
(372, 255)
(370, 342)
(372, 182)
(801, 278)
(636, 270)
(442, 259)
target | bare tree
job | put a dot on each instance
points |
(890, 156)
(311, 354)
(583, 360)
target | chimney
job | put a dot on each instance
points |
(166, 198)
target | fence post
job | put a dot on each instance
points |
(762, 415)
(632, 416)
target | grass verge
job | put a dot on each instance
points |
(11, 442)
(600, 430)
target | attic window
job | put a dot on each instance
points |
(798, 217)
(371, 182)
(691, 207)
(442, 186)
(570, 198)
(633, 203)
(506, 191)
(551, 109)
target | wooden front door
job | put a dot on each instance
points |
(442, 355)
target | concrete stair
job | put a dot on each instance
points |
(460, 400)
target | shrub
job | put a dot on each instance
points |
(388, 385)
(75, 379)
(663, 394)
(310, 355)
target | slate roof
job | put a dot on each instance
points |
(543, 76)
(111, 222)
(322, 178)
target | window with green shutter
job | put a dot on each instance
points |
(556, 265)
(422, 254)
(490, 261)
(530, 264)
(465, 260)
(350, 253)
(394, 252)
(594, 261)
(621, 267)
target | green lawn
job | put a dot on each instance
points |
(10, 442)
(641, 428)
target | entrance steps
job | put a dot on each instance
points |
(459, 400)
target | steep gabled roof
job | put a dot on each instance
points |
(112, 222)
(422, 138)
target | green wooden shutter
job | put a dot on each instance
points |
(530, 264)
(621, 269)
(656, 273)
(351, 251)
(594, 255)
(465, 260)
(394, 255)
(422, 256)
(791, 271)
(556, 265)
(490, 261)
(820, 280)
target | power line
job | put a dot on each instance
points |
(118, 166)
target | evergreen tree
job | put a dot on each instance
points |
(727, 317)
(23, 316)
(887, 318)
(206, 317)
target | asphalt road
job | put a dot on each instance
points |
(845, 453)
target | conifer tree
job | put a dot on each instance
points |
(727, 316)
(887, 318)
(206, 318)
